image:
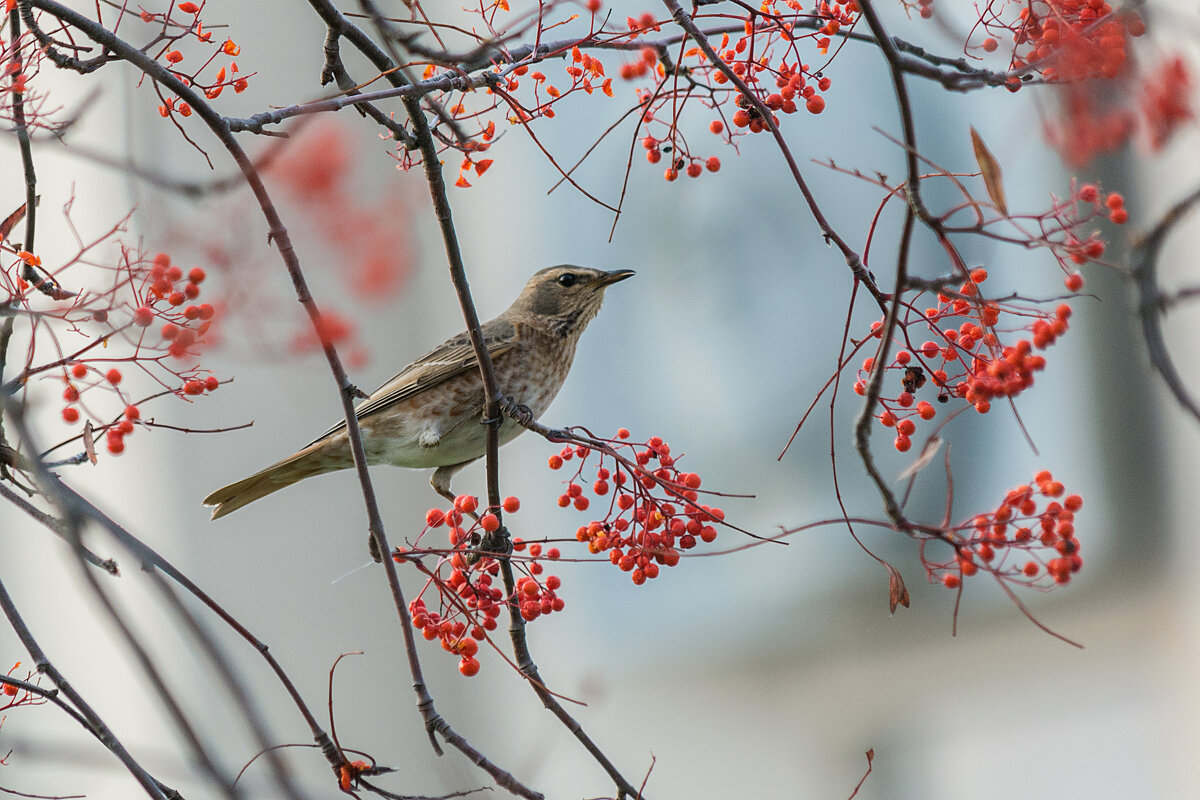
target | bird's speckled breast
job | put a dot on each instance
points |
(531, 374)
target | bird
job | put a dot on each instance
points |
(430, 414)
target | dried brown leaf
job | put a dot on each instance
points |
(897, 591)
(989, 167)
(11, 221)
(89, 441)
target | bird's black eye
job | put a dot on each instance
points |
(567, 279)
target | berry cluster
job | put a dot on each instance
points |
(766, 54)
(161, 291)
(1072, 40)
(468, 602)
(963, 356)
(766, 57)
(652, 511)
(1093, 120)
(1016, 542)
(965, 359)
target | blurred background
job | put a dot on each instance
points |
(767, 672)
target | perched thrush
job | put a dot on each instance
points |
(430, 414)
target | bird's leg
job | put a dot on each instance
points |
(440, 480)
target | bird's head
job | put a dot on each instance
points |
(566, 296)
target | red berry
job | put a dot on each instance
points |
(70, 414)
(196, 275)
(510, 505)
(113, 376)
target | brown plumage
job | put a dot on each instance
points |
(429, 414)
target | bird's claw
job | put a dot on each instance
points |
(496, 544)
(519, 412)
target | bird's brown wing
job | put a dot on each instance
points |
(448, 360)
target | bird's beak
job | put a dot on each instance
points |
(616, 276)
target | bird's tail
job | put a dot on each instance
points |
(305, 464)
